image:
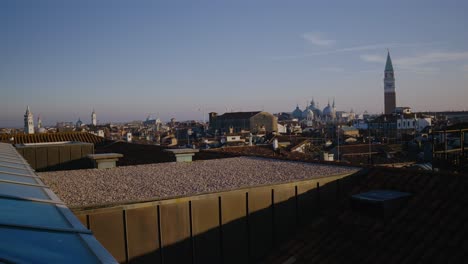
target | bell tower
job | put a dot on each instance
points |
(389, 87)
(28, 122)
(93, 118)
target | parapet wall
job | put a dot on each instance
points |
(57, 156)
(236, 226)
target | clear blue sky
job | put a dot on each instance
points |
(130, 58)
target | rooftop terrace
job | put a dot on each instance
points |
(159, 181)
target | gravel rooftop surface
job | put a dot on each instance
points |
(163, 180)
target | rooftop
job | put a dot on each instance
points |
(429, 227)
(50, 137)
(238, 115)
(164, 180)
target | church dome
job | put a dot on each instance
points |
(327, 111)
(297, 113)
(307, 113)
(317, 112)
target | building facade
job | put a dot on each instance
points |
(255, 122)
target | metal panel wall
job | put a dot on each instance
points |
(285, 212)
(75, 152)
(64, 154)
(175, 233)
(308, 200)
(260, 222)
(212, 228)
(41, 158)
(234, 227)
(142, 235)
(109, 229)
(83, 220)
(53, 156)
(205, 230)
(30, 156)
(58, 156)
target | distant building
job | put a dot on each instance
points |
(403, 110)
(79, 123)
(28, 122)
(329, 112)
(389, 87)
(99, 133)
(312, 116)
(348, 131)
(255, 122)
(397, 125)
(39, 122)
(93, 118)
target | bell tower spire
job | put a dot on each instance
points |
(389, 86)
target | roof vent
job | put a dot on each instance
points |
(381, 203)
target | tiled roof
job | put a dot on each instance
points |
(238, 115)
(363, 148)
(51, 137)
(429, 228)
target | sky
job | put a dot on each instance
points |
(129, 59)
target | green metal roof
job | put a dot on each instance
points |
(388, 65)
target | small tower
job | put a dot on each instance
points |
(28, 122)
(389, 87)
(39, 122)
(93, 118)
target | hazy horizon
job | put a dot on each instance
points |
(182, 58)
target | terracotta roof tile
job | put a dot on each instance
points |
(51, 137)
(430, 227)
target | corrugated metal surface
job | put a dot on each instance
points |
(35, 226)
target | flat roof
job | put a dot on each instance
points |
(81, 188)
(34, 222)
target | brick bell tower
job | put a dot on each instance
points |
(389, 87)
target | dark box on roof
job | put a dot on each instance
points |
(380, 203)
